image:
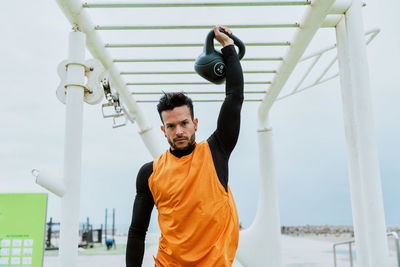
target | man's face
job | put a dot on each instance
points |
(179, 128)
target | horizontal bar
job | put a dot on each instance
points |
(189, 83)
(197, 93)
(185, 72)
(185, 27)
(189, 45)
(121, 60)
(204, 4)
(155, 72)
(128, 60)
(194, 100)
(263, 59)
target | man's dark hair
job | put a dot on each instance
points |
(169, 101)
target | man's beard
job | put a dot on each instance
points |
(190, 143)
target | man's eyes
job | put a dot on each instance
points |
(171, 126)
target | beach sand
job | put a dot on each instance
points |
(310, 251)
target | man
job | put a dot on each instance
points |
(189, 182)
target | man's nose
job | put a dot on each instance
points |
(179, 130)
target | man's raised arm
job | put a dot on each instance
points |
(228, 124)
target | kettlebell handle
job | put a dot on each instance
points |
(209, 47)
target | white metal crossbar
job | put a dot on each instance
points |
(191, 27)
(204, 4)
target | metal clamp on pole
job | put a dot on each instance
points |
(95, 74)
(117, 111)
(114, 107)
(114, 103)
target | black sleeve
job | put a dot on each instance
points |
(224, 139)
(142, 209)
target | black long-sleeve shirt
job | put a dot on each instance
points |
(221, 143)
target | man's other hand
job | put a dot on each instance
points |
(222, 37)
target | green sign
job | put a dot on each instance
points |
(22, 226)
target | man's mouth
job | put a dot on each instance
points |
(180, 139)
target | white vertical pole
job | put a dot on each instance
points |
(70, 203)
(366, 139)
(260, 245)
(356, 184)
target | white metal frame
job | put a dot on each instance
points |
(259, 245)
(365, 182)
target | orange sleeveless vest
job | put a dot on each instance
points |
(197, 217)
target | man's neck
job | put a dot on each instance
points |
(183, 152)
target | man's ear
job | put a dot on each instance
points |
(163, 129)
(195, 122)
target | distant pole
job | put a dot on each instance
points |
(105, 228)
(50, 224)
(101, 234)
(113, 223)
(70, 202)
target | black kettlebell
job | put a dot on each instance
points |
(210, 64)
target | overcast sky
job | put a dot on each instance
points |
(308, 128)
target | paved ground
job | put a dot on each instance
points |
(297, 252)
